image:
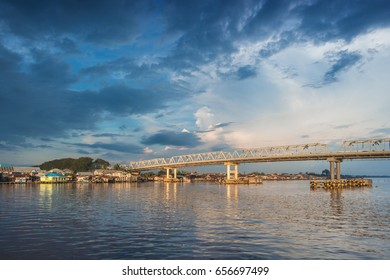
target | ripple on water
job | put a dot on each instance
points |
(276, 220)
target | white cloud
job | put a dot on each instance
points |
(277, 108)
(204, 118)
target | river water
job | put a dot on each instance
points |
(274, 220)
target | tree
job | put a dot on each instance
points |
(83, 164)
(325, 172)
(100, 164)
(161, 172)
(118, 167)
(77, 165)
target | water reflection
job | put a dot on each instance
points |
(45, 195)
(276, 220)
(232, 193)
(336, 202)
(171, 188)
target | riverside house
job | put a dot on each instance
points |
(53, 177)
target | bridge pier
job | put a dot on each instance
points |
(335, 165)
(231, 174)
(168, 178)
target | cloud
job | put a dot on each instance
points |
(218, 125)
(46, 139)
(322, 21)
(204, 118)
(383, 131)
(106, 135)
(115, 146)
(239, 73)
(68, 46)
(95, 21)
(172, 138)
(123, 66)
(342, 61)
(246, 72)
(212, 29)
(83, 152)
(71, 69)
(344, 126)
(50, 71)
(122, 100)
(285, 39)
(39, 94)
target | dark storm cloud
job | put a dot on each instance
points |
(50, 71)
(116, 146)
(205, 28)
(4, 147)
(46, 139)
(9, 62)
(329, 20)
(120, 100)
(106, 135)
(83, 152)
(129, 67)
(68, 46)
(92, 20)
(56, 112)
(36, 95)
(210, 28)
(165, 137)
(36, 100)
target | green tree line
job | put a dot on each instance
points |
(76, 165)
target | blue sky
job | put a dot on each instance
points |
(130, 80)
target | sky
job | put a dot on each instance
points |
(133, 80)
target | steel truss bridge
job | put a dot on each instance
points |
(353, 149)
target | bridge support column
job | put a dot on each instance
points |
(169, 173)
(335, 165)
(338, 172)
(231, 174)
(331, 170)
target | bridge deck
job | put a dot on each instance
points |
(356, 149)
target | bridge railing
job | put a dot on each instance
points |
(240, 154)
(370, 145)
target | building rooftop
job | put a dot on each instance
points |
(53, 174)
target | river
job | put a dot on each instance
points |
(273, 220)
